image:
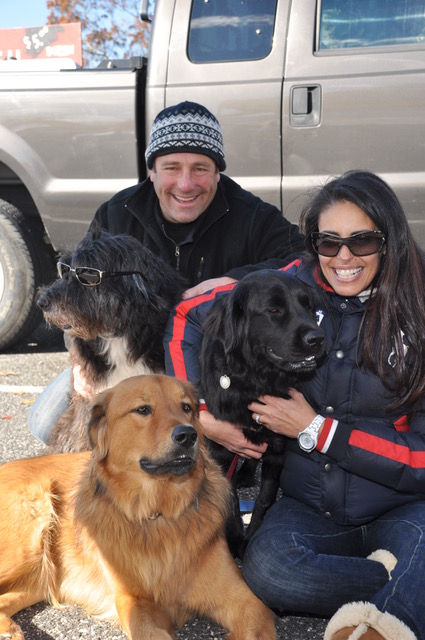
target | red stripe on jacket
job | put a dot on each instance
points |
(386, 449)
(179, 326)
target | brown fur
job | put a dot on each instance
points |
(125, 543)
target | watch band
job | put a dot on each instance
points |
(315, 424)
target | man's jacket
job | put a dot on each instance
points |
(237, 230)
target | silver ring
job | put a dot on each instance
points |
(257, 419)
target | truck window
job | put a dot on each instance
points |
(371, 23)
(225, 30)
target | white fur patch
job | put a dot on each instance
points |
(117, 354)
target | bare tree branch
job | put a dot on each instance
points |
(110, 28)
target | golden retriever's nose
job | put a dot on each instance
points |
(184, 435)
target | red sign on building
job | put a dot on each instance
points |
(37, 43)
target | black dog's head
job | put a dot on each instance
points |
(144, 296)
(263, 335)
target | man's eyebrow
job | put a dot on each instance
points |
(176, 163)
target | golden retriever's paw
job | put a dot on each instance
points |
(10, 631)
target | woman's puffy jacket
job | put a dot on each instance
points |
(367, 461)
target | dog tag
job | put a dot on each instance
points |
(224, 382)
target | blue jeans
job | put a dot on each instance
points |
(49, 406)
(300, 562)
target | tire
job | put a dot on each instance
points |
(26, 262)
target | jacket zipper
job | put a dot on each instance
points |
(176, 248)
(201, 269)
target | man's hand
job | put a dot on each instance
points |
(230, 437)
(207, 285)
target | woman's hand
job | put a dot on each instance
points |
(286, 417)
(230, 436)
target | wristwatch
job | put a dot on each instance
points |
(307, 439)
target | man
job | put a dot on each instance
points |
(189, 214)
(193, 217)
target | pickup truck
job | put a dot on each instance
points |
(303, 90)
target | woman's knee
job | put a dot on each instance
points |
(271, 568)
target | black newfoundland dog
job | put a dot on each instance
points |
(261, 338)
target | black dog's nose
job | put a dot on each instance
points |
(184, 435)
(314, 339)
(43, 302)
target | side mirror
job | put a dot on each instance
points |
(145, 15)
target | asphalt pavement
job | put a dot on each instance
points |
(23, 372)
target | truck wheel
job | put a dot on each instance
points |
(25, 263)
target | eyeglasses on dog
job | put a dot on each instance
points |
(364, 243)
(88, 276)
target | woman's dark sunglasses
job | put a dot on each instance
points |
(364, 243)
(88, 276)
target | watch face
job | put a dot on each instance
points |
(305, 441)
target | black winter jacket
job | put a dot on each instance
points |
(237, 230)
(367, 461)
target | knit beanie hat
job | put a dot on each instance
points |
(187, 127)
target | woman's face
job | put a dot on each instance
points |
(347, 274)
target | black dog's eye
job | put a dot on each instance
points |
(143, 410)
(186, 407)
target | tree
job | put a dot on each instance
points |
(109, 28)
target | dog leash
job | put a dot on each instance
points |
(232, 467)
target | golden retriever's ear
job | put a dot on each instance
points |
(98, 425)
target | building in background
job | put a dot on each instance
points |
(42, 43)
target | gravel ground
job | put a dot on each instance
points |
(35, 363)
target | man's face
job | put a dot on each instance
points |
(185, 184)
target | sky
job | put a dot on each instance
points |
(23, 13)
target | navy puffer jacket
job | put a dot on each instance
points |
(367, 461)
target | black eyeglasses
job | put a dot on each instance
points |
(364, 243)
(88, 276)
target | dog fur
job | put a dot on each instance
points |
(114, 330)
(132, 531)
(264, 336)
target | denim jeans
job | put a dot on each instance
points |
(49, 406)
(300, 562)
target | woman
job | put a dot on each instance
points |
(346, 538)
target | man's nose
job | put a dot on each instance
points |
(186, 181)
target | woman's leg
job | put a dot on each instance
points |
(299, 561)
(49, 406)
(395, 611)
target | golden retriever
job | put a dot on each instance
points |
(134, 530)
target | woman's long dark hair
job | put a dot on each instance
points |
(398, 304)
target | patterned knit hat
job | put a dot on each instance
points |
(187, 127)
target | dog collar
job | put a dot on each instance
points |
(157, 514)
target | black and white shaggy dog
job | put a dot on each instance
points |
(114, 328)
(261, 338)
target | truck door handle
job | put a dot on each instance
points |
(305, 106)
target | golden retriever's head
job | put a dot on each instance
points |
(147, 422)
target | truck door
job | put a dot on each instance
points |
(353, 98)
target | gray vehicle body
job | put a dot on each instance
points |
(303, 91)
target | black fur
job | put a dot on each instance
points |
(264, 336)
(115, 329)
